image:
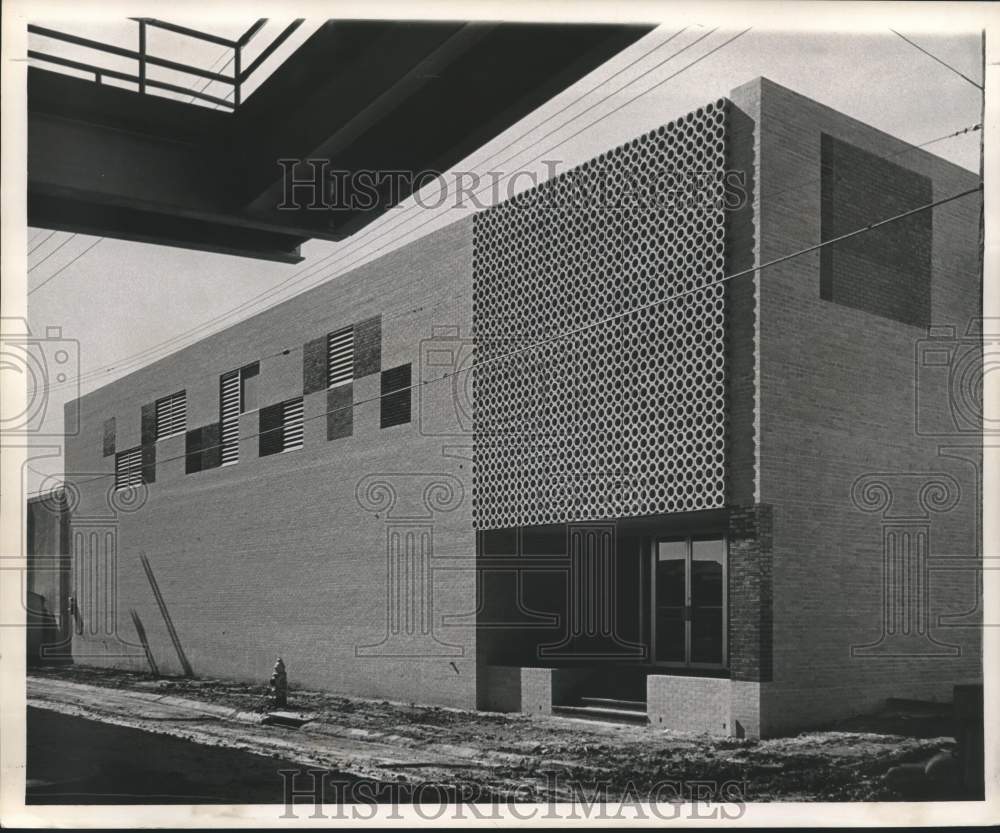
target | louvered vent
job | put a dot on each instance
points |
(128, 468)
(292, 435)
(340, 357)
(171, 415)
(229, 397)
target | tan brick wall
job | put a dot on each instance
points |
(276, 555)
(689, 704)
(836, 402)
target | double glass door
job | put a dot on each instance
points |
(689, 602)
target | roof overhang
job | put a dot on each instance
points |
(411, 98)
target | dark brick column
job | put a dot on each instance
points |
(750, 593)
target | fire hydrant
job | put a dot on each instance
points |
(279, 684)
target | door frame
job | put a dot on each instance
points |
(650, 572)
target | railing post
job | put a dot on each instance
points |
(142, 56)
(237, 56)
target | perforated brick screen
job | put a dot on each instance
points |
(620, 419)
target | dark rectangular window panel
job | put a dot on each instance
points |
(202, 448)
(108, 445)
(885, 271)
(340, 412)
(271, 429)
(395, 396)
(211, 450)
(249, 376)
(147, 432)
(368, 347)
(314, 365)
(192, 451)
(149, 463)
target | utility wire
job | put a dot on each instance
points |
(936, 58)
(972, 128)
(961, 132)
(599, 323)
(56, 249)
(315, 268)
(99, 239)
(63, 268)
(357, 241)
(232, 57)
(33, 249)
(549, 150)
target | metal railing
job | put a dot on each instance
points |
(141, 55)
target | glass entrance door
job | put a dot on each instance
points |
(689, 602)
(670, 603)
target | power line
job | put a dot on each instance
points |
(666, 60)
(56, 249)
(601, 322)
(225, 51)
(549, 150)
(972, 128)
(357, 241)
(99, 239)
(63, 268)
(32, 250)
(936, 58)
(803, 183)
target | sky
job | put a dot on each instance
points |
(121, 305)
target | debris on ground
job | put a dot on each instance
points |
(859, 760)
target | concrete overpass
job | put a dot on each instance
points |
(357, 95)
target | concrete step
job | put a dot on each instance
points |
(614, 703)
(602, 713)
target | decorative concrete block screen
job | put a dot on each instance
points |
(623, 418)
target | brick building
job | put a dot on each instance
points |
(732, 511)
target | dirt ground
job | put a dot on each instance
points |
(847, 762)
